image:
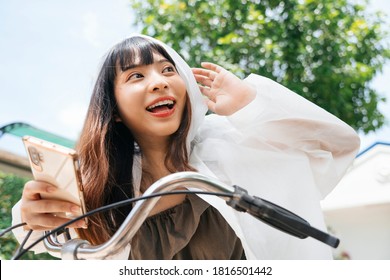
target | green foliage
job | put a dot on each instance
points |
(328, 51)
(11, 188)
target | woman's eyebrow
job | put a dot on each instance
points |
(131, 66)
(163, 60)
(135, 65)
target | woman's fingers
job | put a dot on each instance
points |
(212, 66)
(32, 199)
(211, 105)
(41, 214)
(50, 206)
(206, 81)
(45, 221)
(204, 73)
(49, 222)
(210, 70)
(226, 92)
(33, 189)
(207, 84)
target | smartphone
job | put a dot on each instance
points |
(59, 166)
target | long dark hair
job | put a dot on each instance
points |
(107, 147)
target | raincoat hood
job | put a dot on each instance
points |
(198, 105)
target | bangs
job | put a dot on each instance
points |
(137, 51)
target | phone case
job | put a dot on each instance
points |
(58, 166)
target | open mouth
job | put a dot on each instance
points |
(161, 106)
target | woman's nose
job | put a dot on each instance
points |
(158, 83)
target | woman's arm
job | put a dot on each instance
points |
(288, 121)
(264, 111)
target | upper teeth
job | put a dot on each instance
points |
(160, 103)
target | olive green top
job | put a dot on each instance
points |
(192, 230)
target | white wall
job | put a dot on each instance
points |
(364, 232)
(358, 210)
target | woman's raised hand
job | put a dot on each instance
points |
(226, 92)
(38, 213)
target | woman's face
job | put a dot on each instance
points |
(151, 98)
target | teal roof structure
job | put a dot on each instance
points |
(21, 129)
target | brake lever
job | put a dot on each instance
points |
(278, 217)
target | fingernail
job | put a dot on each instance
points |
(50, 189)
(81, 224)
(75, 209)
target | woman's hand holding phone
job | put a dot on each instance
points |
(40, 213)
(55, 196)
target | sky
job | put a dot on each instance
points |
(50, 51)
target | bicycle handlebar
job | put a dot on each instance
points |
(264, 210)
(80, 249)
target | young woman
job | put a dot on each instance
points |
(146, 120)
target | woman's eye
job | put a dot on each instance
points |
(169, 69)
(135, 76)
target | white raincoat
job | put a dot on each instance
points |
(279, 147)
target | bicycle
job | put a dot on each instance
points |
(235, 196)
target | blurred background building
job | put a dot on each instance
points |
(358, 210)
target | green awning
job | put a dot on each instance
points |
(21, 129)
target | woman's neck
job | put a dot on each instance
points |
(154, 168)
(153, 162)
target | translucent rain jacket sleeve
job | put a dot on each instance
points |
(285, 149)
